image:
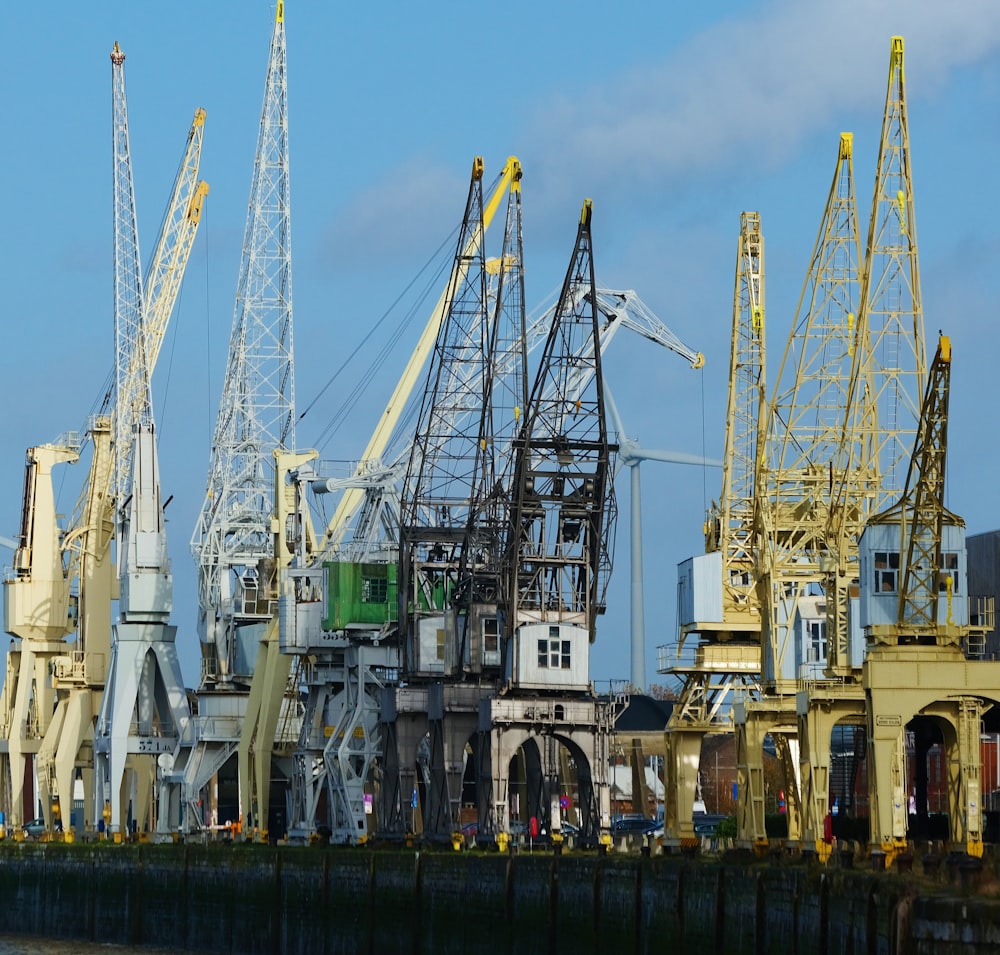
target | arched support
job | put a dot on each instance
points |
(819, 712)
(583, 726)
(754, 720)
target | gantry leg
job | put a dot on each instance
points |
(965, 784)
(267, 694)
(887, 785)
(815, 731)
(786, 746)
(750, 733)
(683, 756)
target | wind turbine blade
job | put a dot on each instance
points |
(673, 457)
(612, 410)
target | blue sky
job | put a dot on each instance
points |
(672, 118)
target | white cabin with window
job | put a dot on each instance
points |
(810, 642)
(881, 569)
(551, 656)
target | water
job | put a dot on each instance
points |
(16, 945)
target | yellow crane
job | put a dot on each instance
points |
(918, 676)
(800, 465)
(727, 626)
(39, 615)
(879, 424)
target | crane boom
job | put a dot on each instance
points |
(920, 511)
(379, 441)
(132, 389)
(232, 541)
(891, 324)
(558, 544)
(807, 450)
(731, 531)
(180, 225)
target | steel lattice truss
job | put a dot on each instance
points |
(445, 462)
(454, 502)
(257, 407)
(559, 543)
(505, 398)
(918, 598)
(807, 452)
(133, 401)
(894, 365)
(920, 511)
(734, 521)
(170, 257)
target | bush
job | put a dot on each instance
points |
(727, 829)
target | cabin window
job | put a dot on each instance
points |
(491, 641)
(374, 590)
(815, 641)
(949, 568)
(886, 572)
(553, 653)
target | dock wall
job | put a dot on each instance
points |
(246, 900)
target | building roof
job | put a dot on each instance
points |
(644, 715)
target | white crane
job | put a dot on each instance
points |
(233, 543)
(144, 711)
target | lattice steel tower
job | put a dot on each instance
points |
(453, 503)
(233, 543)
(894, 366)
(803, 461)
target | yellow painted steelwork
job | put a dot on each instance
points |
(727, 656)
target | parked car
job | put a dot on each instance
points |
(34, 829)
(707, 824)
(633, 826)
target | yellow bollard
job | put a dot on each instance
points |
(502, 840)
(456, 841)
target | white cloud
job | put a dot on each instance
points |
(743, 95)
(751, 89)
